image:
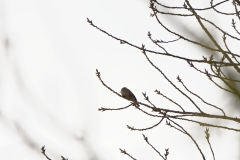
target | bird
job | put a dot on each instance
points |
(127, 94)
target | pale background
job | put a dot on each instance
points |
(49, 94)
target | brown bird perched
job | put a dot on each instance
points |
(127, 94)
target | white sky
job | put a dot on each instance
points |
(49, 94)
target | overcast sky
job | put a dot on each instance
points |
(50, 95)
